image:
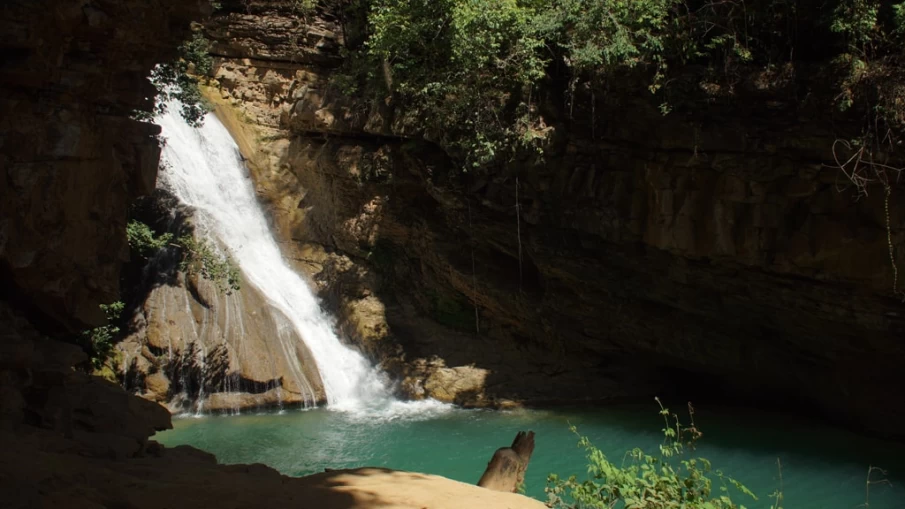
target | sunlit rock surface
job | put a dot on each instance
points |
(197, 348)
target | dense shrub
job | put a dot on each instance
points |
(470, 70)
(143, 241)
(199, 257)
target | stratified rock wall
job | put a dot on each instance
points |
(71, 157)
(38, 387)
(713, 253)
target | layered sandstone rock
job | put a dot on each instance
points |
(40, 388)
(709, 253)
(71, 157)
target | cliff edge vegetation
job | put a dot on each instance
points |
(479, 73)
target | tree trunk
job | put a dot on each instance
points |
(506, 470)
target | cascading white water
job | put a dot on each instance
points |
(205, 170)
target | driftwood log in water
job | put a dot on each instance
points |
(506, 470)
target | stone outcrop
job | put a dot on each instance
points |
(197, 348)
(705, 254)
(71, 157)
(39, 389)
(506, 469)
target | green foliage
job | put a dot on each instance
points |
(857, 21)
(177, 80)
(872, 85)
(143, 241)
(670, 480)
(471, 72)
(200, 258)
(99, 341)
(459, 63)
(898, 19)
(601, 35)
(872, 41)
(196, 52)
(470, 68)
(303, 7)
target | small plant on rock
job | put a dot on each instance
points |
(143, 240)
(99, 341)
(178, 80)
(200, 258)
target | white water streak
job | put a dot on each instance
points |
(205, 171)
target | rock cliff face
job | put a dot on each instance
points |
(711, 254)
(71, 158)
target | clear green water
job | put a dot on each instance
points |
(822, 467)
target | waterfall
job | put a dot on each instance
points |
(204, 169)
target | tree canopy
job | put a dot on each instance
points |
(471, 68)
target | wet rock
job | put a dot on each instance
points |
(206, 344)
(89, 449)
(157, 387)
(463, 385)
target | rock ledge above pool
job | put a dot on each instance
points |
(46, 470)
